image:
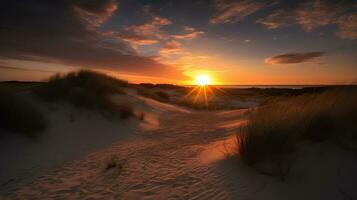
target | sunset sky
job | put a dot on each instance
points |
(174, 41)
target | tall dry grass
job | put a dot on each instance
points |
(278, 126)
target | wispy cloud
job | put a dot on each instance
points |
(292, 58)
(25, 69)
(171, 47)
(277, 19)
(230, 11)
(348, 26)
(144, 34)
(311, 15)
(95, 12)
(314, 14)
(191, 33)
(147, 33)
(136, 40)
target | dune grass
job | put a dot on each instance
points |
(157, 95)
(277, 127)
(88, 90)
(18, 115)
(162, 96)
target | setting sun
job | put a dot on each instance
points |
(203, 80)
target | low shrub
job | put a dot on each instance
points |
(125, 110)
(18, 115)
(157, 95)
(144, 92)
(86, 89)
(162, 96)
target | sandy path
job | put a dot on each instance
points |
(162, 163)
(184, 159)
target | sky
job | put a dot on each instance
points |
(244, 42)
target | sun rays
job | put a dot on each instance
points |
(203, 94)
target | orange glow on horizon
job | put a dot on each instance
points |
(200, 78)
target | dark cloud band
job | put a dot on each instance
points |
(293, 58)
(66, 32)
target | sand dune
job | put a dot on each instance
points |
(183, 158)
(156, 164)
(72, 134)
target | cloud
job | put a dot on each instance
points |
(314, 14)
(25, 69)
(149, 29)
(150, 33)
(171, 47)
(100, 8)
(293, 58)
(136, 40)
(57, 33)
(95, 11)
(230, 11)
(277, 19)
(311, 15)
(147, 33)
(348, 27)
(191, 33)
(189, 29)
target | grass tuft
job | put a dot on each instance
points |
(113, 163)
(277, 127)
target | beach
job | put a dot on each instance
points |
(178, 153)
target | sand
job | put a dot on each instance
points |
(186, 155)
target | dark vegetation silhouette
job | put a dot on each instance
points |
(87, 90)
(278, 126)
(19, 115)
(157, 95)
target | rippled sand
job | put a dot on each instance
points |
(187, 157)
